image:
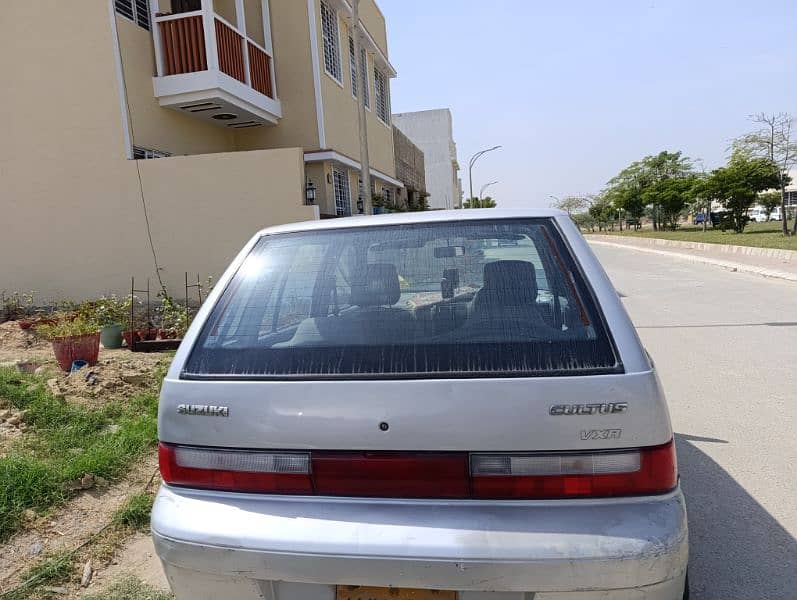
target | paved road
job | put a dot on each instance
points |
(725, 345)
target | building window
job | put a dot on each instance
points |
(387, 195)
(135, 10)
(140, 153)
(382, 97)
(364, 73)
(340, 181)
(367, 93)
(329, 30)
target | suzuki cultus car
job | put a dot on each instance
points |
(418, 407)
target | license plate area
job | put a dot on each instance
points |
(355, 592)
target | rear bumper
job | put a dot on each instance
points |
(207, 539)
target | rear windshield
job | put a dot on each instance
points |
(469, 299)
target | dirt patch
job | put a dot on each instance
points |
(119, 374)
(71, 525)
(137, 557)
(16, 343)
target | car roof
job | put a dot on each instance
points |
(431, 216)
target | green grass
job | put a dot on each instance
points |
(64, 442)
(761, 235)
(130, 588)
(135, 513)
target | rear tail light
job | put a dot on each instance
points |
(600, 474)
(236, 470)
(644, 471)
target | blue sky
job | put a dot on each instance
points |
(576, 90)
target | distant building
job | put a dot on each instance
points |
(410, 169)
(432, 131)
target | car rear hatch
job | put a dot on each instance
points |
(575, 414)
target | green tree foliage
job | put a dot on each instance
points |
(603, 213)
(640, 184)
(670, 196)
(770, 201)
(774, 141)
(486, 202)
(738, 184)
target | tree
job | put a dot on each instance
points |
(770, 201)
(773, 141)
(603, 212)
(738, 184)
(671, 196)
(486, 202)
(635, 186)
(572, 204)
(704, 194)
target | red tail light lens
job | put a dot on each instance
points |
(396, 475)
(236, 470)
(645, 471)
(602, 474)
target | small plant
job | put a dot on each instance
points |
(110, 310)
(174, 317)
(18, 305)
(65, 327)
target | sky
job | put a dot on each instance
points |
(574, 91)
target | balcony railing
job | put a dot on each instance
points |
(184, 49)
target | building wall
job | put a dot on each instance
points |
(153, 126)
(340, 106)
(72, 196)
(290, 32)
(410, 167)
(432, 132)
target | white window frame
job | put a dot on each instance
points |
(141, 153)
(385, 96)
(363, 81)
(330, 39)
(387, 195)
(340, 183)
(136, 11)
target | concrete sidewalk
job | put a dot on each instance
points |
(768, 262)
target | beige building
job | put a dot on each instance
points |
(249, 107)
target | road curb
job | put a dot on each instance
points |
(706, 260)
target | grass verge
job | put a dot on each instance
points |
(760, 235)
(64, 442)
(62, 568)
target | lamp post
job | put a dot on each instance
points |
(484, 187)
(472, 162)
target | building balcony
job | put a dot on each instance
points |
(212, 70)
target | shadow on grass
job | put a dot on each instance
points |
(737, 548)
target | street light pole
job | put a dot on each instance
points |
(365, 167)
(473, 160)
(484, 187)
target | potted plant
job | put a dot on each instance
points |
(174, 319)
(136, 325)
(109, 312)
(378, 202)
(73, 339)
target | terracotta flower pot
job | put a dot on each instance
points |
(80, 347)
(130, 337)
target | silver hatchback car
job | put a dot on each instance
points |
(418, 407)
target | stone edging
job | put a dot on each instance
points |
(707, 260)
(789, 256)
